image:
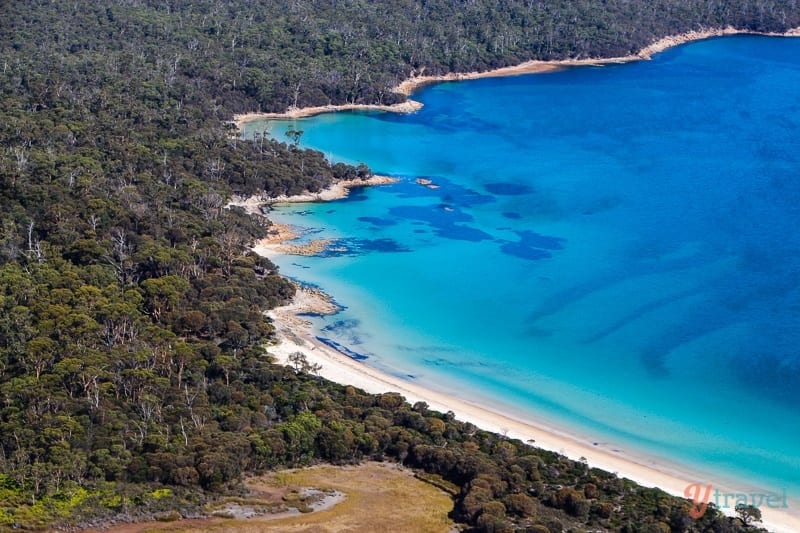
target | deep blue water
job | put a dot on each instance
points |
(614, 249)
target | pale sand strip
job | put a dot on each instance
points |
(407, 87)
(294, 335)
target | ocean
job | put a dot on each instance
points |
(614, 250)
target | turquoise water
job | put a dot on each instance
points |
(614, 250)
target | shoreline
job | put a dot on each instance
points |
(409, 106)
(335, 191)
(535, 66)
(279, 235)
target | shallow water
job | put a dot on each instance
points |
(614, 249)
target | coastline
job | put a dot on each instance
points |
(335, 191)
(279, 235)
(409, 106)
(296, 336)
(535, 66)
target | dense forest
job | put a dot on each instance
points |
(132, 333)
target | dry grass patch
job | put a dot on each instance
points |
(378, 497)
